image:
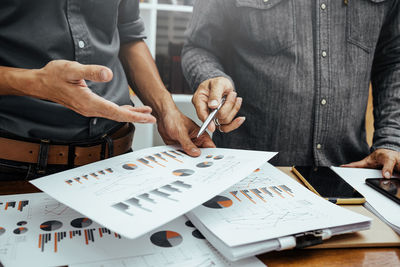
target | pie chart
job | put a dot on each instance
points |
(20, 230)
(183, 172)
(218, 202)
(51, 225)
(205, 164)
(81, 222)
(166, 239)
(196, 233)
(2, 230)
(21, 223)
(130, 166)
(218, 157)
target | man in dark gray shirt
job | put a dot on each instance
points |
(303, 69)
(64, 72)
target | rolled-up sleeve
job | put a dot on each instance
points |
(386, 84)
(206, 39)
(130, 24)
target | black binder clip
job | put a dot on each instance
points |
(307, 239)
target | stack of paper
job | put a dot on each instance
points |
(36, 230)
(142, 195)
(384, 208)
(264, 211)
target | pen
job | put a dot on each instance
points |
(210, 117)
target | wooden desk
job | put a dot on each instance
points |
(388, 256)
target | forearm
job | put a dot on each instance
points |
(15, 81)
(387, 110)
(143, 75)
(385, 78)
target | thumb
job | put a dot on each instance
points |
(388, 167)
(188, 146)
(216, 92)
(95, 73)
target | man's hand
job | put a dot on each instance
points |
(175, 128)
(208, 96)
(388, 160)
(63, 82)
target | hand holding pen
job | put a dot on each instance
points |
(208, 97)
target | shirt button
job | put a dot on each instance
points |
(323, 6)
(323, 102)
(94, 121)
(81, 44)
(324, 54)
(319, 146)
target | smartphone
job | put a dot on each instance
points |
(326, 183)
(388, 187)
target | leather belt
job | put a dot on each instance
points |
(58, 154)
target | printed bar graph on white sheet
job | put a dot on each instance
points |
(150, 187)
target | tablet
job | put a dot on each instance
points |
(388, 187)
(326, 183)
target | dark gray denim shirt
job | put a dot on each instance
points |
(303, 68)
(32, 33)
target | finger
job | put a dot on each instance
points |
(227, 106)
(199, 101)
(96, 73)
(236, 123)
(136, 116)
(357, 164)
(205, 141)
(100, 107)
(388, 166)
(142, 109)
(211, 127)
(188, 146)
(217, 90)
(228, 119)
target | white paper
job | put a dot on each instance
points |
(267, 205)
(135, 193)
(27, 221)
(383, 206)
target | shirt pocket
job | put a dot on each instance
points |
(268, 25)
(364, 22)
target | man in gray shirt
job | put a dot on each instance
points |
(64, 72)
(303, 69)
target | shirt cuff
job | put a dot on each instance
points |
(131, 31)
(197, 80)
(387, 139)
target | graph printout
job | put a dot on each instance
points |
(137, 192)
(47, 233)
(266, 205)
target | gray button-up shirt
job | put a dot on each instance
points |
(32, 33)
(303, 69)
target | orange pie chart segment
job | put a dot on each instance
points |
(218, 202)
(183, 172)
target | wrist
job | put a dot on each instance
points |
(163, 105)
(22, 81)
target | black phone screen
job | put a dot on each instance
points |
(327, 183)
(388, 187)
